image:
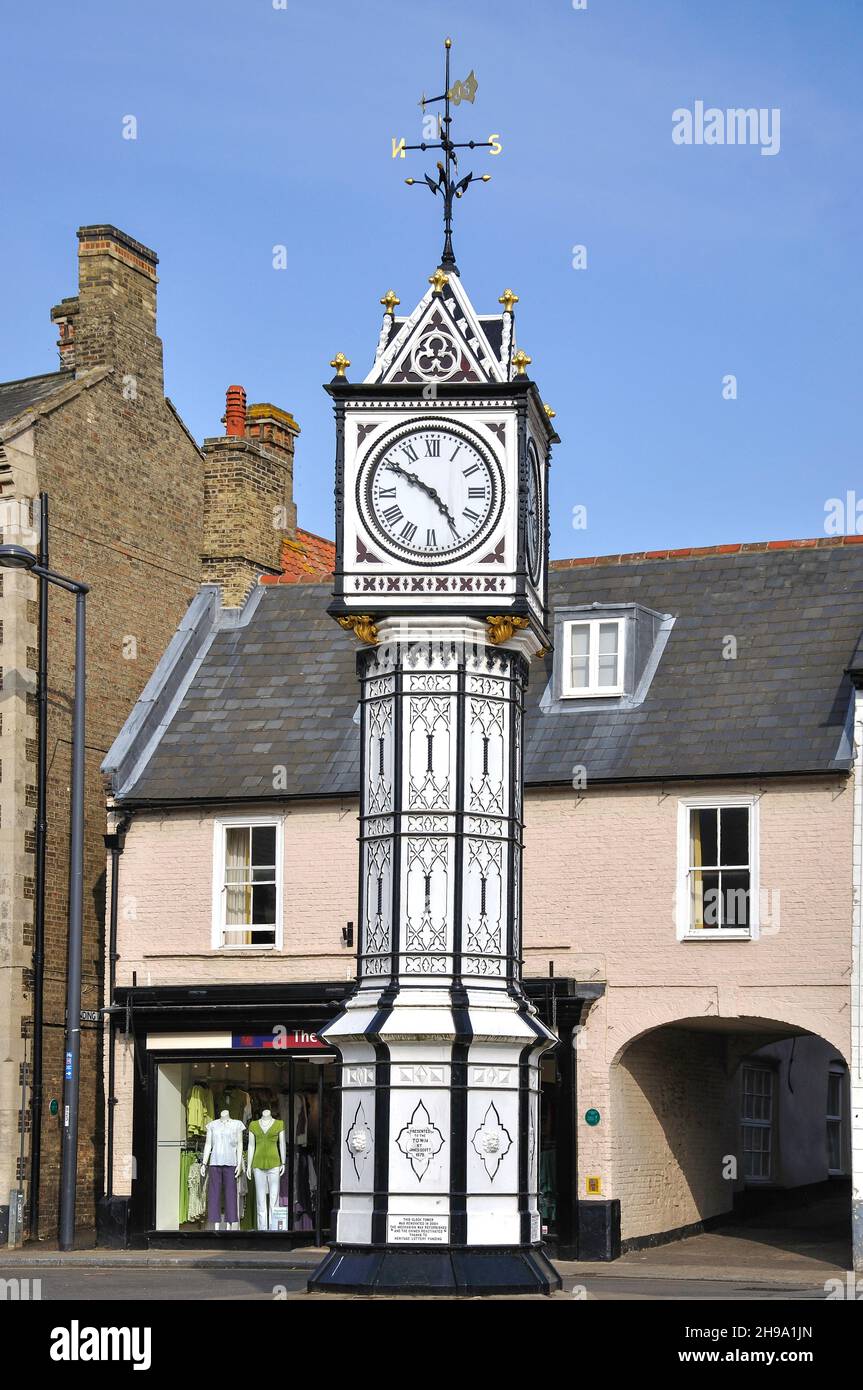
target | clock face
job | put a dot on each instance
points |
(430, 492)
(533, 514)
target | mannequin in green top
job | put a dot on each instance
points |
(266, 1158)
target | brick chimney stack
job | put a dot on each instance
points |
(64, 315)
(111, 321)
(248, 496)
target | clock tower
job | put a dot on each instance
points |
(442, 464)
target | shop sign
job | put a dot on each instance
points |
(280, 1039)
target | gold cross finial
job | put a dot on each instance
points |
(438, 280)
(389, 301)
(340, 362)
(507, 299)
(548, 410)
(521, 362)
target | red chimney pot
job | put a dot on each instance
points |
(235, 410)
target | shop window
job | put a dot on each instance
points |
(247, 887)
(835, 1119)
(756, 1116)
(717, 891)
(291, 1198)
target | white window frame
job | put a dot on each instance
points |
(838, 1070)
(593, 690)
(683, 901)
(769, 1124)
(220, 826)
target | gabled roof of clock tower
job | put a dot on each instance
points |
(444, 340)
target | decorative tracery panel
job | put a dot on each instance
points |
(436, 702)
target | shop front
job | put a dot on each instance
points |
(234, 1116)
(227, 1124)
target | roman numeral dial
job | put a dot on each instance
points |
(431, 492)
(533, 514)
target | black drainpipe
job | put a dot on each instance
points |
(115, 843)
(569, 1015)
(39, 905)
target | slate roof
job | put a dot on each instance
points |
(493, 329)
(17, 396)
(282, 690)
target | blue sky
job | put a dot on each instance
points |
(260, 126)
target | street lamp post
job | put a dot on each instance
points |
(17, 557)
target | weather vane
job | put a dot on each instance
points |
(448, 183)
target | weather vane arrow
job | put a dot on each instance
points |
(447, 183)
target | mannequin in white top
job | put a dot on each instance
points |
(266, 1178)
(223, 1150)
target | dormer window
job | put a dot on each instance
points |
(593, 657)
(605, 657)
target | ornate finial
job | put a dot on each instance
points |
(501, 629)
(438, 280)
(521, 362)
(389, 301)
(507, 299)
(361, 625)
(548, 410)
(340, 362)
(447, 181)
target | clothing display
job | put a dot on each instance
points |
(299, 1185)
(301, 1120)
(266, 1189)
(236, 1101)
(196, 1206)
(295, 1116)
(292, 1162)
(187, 1158)
(225, 1142)
(221, 1191)
(200, 1109)
(267, 1154)
(264, 1098)
(305, 1185)
(245, 1202)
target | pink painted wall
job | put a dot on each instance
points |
(600, 877)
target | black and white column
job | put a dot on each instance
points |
(440, 1090)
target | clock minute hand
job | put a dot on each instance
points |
(429, 491)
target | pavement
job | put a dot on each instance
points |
(62, 1284)
(784, 1253)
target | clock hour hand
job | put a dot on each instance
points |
(424, 487)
